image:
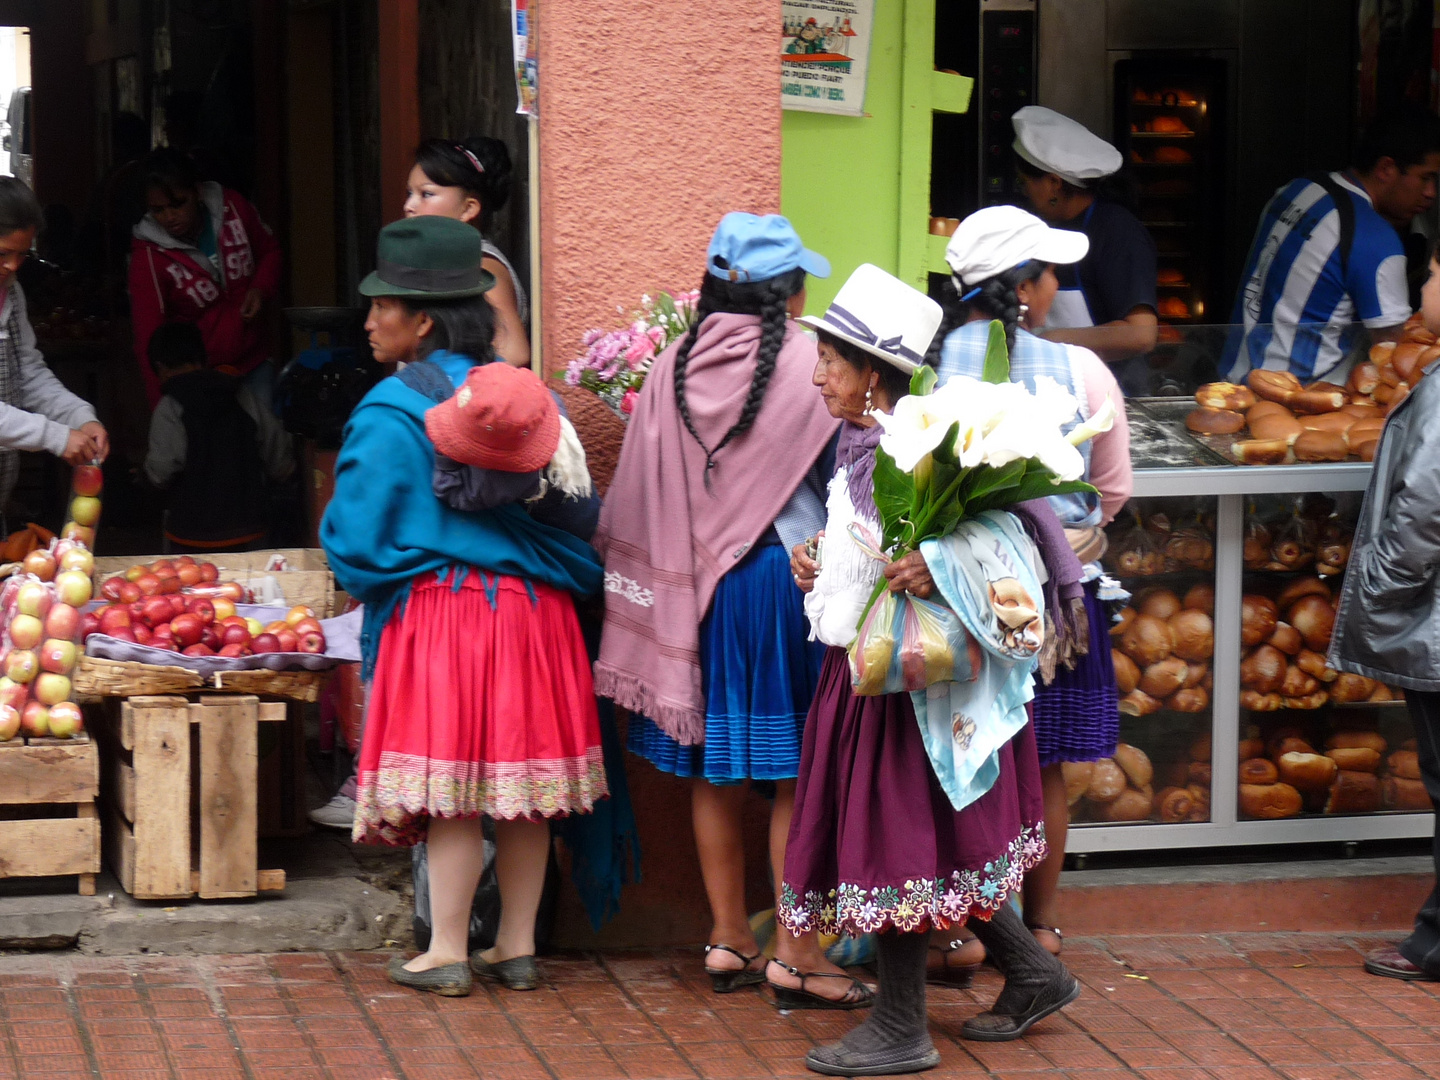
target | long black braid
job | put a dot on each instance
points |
(767, 299)
(997, 298)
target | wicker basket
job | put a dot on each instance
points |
(294, 685)
(97, 678)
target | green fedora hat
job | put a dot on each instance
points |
(434, 257)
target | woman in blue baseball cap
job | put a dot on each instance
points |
(720, 475)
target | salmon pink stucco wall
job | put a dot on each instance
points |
(655, 120)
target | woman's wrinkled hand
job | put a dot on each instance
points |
(803, 565)
(912, 575)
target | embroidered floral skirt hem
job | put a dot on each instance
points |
(482, 703)
(874, 842)
(1077, 717)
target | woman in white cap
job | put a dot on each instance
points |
(1002, 260)
(876, 845)
(1072, 179)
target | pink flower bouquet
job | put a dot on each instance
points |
(615, 362)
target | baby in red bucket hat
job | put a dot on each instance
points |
(502, 438)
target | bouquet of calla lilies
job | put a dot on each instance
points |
(974, 445)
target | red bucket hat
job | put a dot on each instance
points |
(502, 418)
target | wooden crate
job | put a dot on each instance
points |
(47, 800)
(150, 783)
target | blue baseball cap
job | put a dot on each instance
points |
(752, 247)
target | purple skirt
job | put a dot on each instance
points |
(874, 841)
(1077, 717)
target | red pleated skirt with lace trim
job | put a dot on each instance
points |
(482, 703)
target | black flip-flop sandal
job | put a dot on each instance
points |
(1035, 927)
(727, 982)
(952, 977)
(857, 996)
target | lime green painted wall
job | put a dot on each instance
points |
(840, 175)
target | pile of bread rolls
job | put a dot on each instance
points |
(1128, 787)
(1277, 420)
(1162, 647)
(1297, 544)
(1355, 774)
(1154, 546)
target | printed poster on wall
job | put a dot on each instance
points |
(824, 50)
(527, 78)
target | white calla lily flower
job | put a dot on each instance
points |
(1102, 421)
(914, 429)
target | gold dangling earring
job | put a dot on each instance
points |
(869, 401)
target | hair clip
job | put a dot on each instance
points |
(970, 295)
(473, 159)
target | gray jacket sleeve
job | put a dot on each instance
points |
(1400, 560)
(46, 411)
(276, 450)
(166, 456)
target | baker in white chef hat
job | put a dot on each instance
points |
(1072, 179)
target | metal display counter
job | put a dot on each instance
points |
(1177, 476)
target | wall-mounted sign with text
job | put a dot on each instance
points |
(824, 50)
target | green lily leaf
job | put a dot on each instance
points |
(922, 381)
(894, 494)
(945, 452)
(997, 357)
(985, 480)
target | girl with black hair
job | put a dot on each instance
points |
(1073, 180)
(1002, 263)
(470, 180)
(705, 642)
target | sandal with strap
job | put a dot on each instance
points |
(953, 977)
(727, 982)
(1041, 928)
(857, 995)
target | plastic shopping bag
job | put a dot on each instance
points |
(907, 644)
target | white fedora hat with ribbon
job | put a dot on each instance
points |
(879, 313)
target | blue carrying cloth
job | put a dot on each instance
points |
(384, 526)
(986, 571)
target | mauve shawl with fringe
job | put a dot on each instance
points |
(667, 538)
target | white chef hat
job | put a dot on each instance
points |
(1057, 144)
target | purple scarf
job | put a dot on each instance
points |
(856, 452)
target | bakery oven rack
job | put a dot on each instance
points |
(1232, 487)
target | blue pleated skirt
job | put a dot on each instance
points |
(1077, 717)
(759, 676)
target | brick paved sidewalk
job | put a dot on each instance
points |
(1236, 1007)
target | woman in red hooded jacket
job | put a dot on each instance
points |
(202, 255)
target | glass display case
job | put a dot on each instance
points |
(1232, 724)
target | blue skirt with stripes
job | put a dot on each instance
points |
(759, 675)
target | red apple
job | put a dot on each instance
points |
(296, 613)
(13, 694)
(21, 665)
(77, 558)
(185, 560)
(114, 618)
(58, 656)
(81, 534)
(74, 587)
(148, 584)
(170, 585)
(87, 480)
(233, 620)
(143, 634)
(156, 610)
(85, 510)
(26, 631)
(66, 720)
(162, 637)
(186, 629)
(124, 633)
(136, 610)
(63, 622)
(199, 650)
(130, 593)
(312, 641)
(9, 722)
(209, 572)
(33, 598)
(188, 575)
(289, 640)
(51, 688)
(265, 643)
(276, 626)
(35, 720)
(201, 605)
(111, 589)
(234, 635)
(211, 637)
(224, 607)
(161, 567)
(234, 649)
(307, 625)
(89, 624)
(40, 563)
(136, 572)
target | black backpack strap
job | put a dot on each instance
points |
(426, 378)
(1345, 207)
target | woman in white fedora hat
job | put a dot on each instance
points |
(875, 844)
(1073, 180)
(1003, 265)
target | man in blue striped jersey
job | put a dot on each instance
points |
(1318, 265)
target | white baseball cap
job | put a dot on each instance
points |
(992, 240)
(882, 315)
(1056, 144)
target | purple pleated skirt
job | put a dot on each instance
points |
(1077, 717)
(875, 843)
